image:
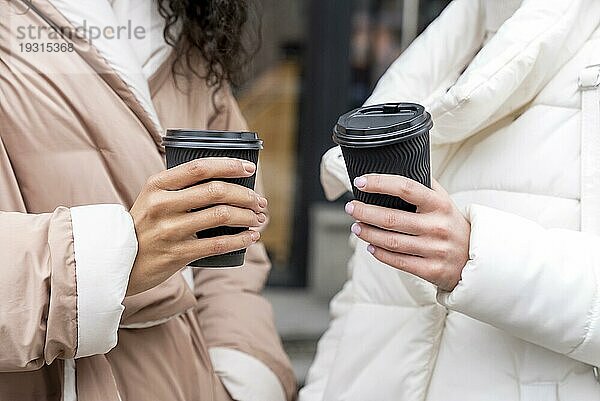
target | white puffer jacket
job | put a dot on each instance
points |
(514, 149)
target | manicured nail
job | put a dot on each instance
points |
(360, 182)
(249, 167)
(261, 217)
(262, 202)
(255, 236)
(355, 228)
(349, 208)
(371, 249)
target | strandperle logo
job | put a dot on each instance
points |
(85, 31)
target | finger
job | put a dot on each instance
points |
(202, 248)
(396, 185)
(218, 216)
(216, 193)
(414, 265)
(391, 241)
(388, 219)
(195, 171)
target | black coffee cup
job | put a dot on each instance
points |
(184, 145)
(388, 138)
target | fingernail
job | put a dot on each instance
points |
(262, 202)
(349, 208)
(261, 217)
(360, 182)
(355, 229)
(249, 167)
(255, 236)
(371, 249)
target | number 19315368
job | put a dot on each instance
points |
(45, 47)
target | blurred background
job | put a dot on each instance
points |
(318, 59)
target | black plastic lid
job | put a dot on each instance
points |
(381, 125)
(210, 139)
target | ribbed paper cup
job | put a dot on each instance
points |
(386, 139)
(183, 146)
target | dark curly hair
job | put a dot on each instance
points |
(217, 31)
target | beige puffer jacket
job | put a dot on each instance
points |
(78, 129)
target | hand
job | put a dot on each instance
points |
(166, 229)
(432, 243)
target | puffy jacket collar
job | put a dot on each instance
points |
(111, 58)
(513, 67)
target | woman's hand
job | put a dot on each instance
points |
(432, 243)
(166, 229)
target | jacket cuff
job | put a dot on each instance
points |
(245, 378)
(334, 177)
(520, 274)
(105, 247)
